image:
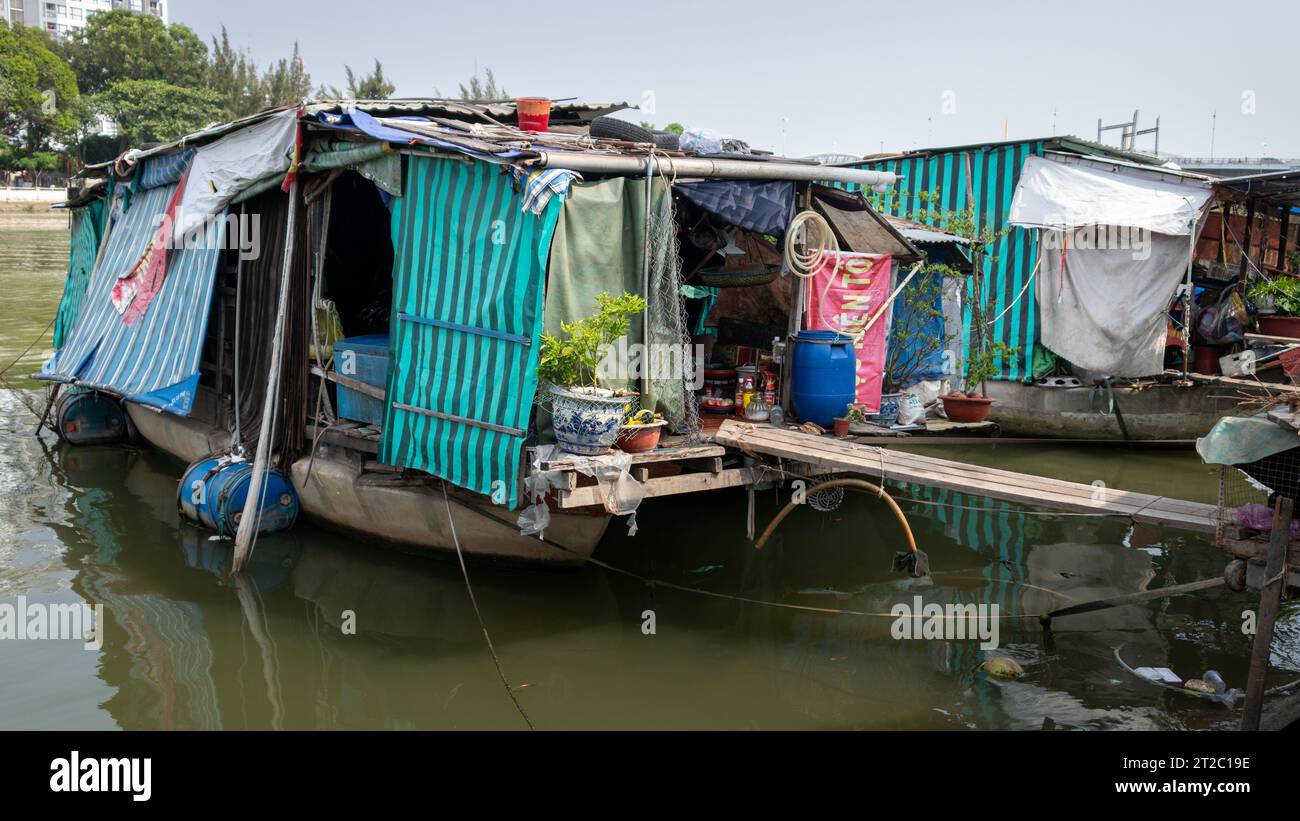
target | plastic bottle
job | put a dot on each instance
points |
(1215, 680)
(776, 417)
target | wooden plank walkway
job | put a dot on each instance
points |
(830, 454)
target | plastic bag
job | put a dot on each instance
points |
(1225, 321)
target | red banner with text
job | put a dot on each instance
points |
(844, 295)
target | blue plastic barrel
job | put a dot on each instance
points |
(213, 490)
(85, 417)
(823, 375)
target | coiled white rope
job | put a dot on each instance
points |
(812, 231)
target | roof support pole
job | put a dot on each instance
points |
(1245, 239)
(1283, 229)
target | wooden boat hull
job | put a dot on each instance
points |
(410, 512)
(1155, 413)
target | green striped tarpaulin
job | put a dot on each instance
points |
(938, 182)
(469, 273)
(87, 228)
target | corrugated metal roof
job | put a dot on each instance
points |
(562, 112)
(1276, 186)
(1066, 141)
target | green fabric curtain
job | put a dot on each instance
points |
(600, 247)
(87, 229)
(468, 279)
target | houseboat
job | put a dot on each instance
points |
(337, 308)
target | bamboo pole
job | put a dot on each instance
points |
(249, 519)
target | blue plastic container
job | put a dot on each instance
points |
(823, 375)
(364, 358)
(213, 490)
(85, 417)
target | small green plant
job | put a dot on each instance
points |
(570, 360)
(854, 413)
(1284, 291)
(982, 365)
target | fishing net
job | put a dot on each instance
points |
(1248, 493)
(826, 499)
(672, 364)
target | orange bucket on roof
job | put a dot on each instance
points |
(534, 113)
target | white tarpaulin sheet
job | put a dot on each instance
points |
(1106, 310)
(1056, 195)
(223, 169)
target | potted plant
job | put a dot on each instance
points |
(641, 432)
(585, 416)
(917, 335)
(1281, 293)
(964, 405)
(854, 414)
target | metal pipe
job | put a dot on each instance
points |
(699, 167)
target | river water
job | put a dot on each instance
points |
(185, 647)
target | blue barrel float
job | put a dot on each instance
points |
(86, 417)
(823, 375)
(213, 490)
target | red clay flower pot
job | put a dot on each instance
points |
(967, 408)
(841, 427)
(640, 438)
(1277, 325)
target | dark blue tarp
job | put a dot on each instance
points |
(765, 207)
(359, 121)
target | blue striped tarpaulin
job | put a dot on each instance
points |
(155, 361)
(469, 273)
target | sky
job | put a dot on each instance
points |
(812, 77)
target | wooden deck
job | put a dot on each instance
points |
(828, 454)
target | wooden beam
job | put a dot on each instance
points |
(1034, 491)
(1134, 598)
(665, 486)
(566, 461)
(1270, 601)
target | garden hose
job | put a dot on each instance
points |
(858, 483)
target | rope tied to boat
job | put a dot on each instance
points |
(496, 660)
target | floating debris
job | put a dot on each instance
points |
(1003, 668)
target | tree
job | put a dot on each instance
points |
(482, 90)
(288, 81)
(373, 86)
(153, 111)
(233, 75)
(118, 45)
(39, 103)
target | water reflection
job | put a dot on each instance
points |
(185, 646)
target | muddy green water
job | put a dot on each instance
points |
(184, 647)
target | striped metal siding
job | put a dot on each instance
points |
(994, 172)
(468, 280)
(155, 361)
